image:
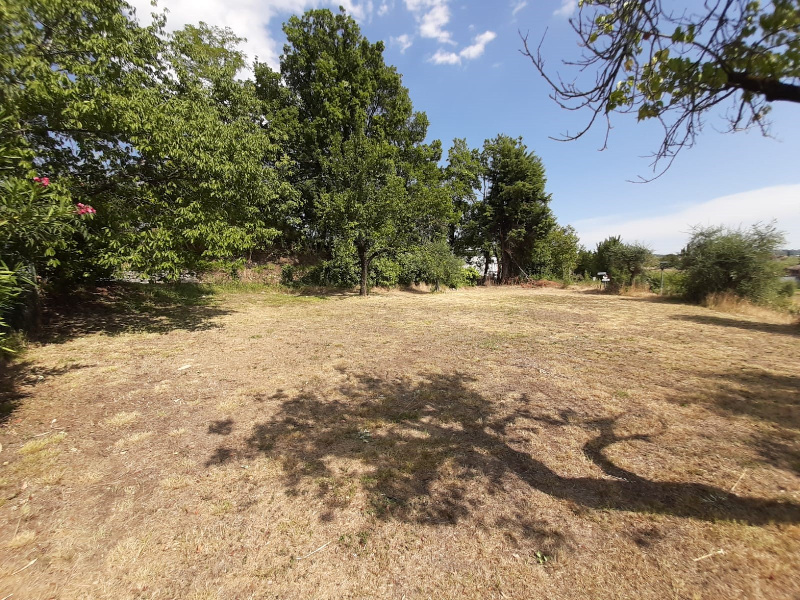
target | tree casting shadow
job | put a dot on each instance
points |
(410, 435)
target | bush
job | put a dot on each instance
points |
(432, 263)
(718, 259)
(674, 282)
(787, 289)
(40, 233)
(287, 275)
(472, 276)
(385, 272)
(10, 289)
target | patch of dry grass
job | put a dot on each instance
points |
(133, 439)
(729, 302)
(39, 444)
(485, 443)
(21, 539)
(122, 419)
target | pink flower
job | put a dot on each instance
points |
(85, 209)
(45, 181)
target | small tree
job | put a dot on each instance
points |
(623, 262)
(557, 254)
(628, 262)
(434, 263)
(719, 259)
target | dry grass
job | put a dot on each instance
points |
(486, 443)
(122, 419)
(731, 303)
(39, 444)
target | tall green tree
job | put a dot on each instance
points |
(515, 211)
(367, 179)
(333, 84)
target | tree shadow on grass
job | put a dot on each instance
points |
(18, 377)
(425, 442)
(131, 307)
(761, 395)
(782, 329)
(755, 393)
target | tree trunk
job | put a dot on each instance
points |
(486, 258)
(362, 257)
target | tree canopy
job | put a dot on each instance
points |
(515, 211)
(132, 148)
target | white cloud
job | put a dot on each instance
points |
(432, 16)
(384, 8)
(247, 18)
(404, 41)
(566, 9)
(670, 232)
(471, 52)
(445, 58)
(517, 6)
(478, 48)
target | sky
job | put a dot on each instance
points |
(462, 64)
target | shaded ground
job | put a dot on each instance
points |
(485, 443)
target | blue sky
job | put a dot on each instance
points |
(462, 65)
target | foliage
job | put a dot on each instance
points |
(435, 264)
(472, 276)
(462, 178)
(151, 128)
(674, 282)
(386, 272)
(556, 256)
(585, 265)
(627, 262)
(38, 225)
(188, 165)
(515, 212)
(10, 288)
(741, 261)
(368, 182)
(675, 64)
(624, 263)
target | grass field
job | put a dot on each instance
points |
(485, 443)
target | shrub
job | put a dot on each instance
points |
(385, 272)
(718, 259)
(287, 275)
(624, 263)
(472, 276)
(787, 289)
(674, 282)
(432, 263)
(10, 289)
